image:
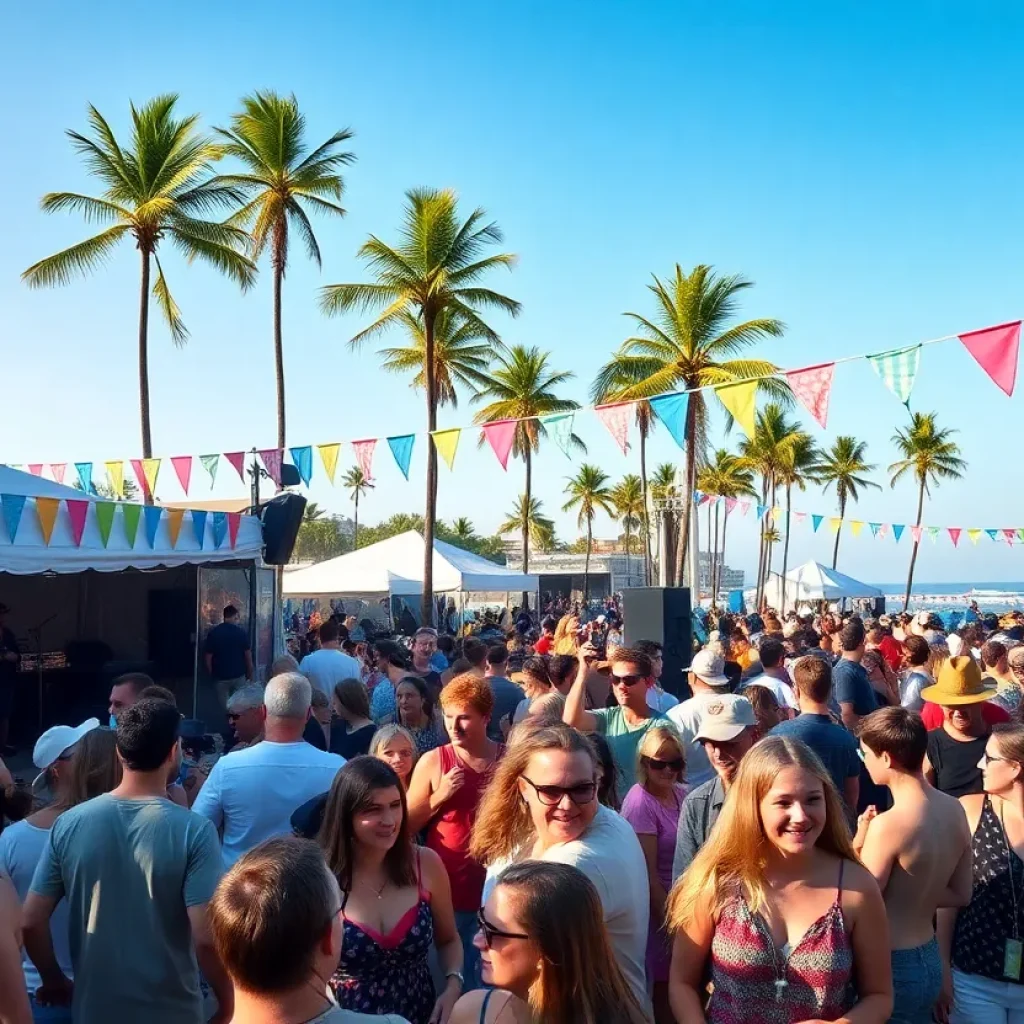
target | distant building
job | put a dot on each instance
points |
(562, 573)
(731, 579)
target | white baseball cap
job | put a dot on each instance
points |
(725, 718)
(709, 667)
(55, 741)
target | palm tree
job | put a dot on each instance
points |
(357, 483)
(799, 465)
(661, 487)
(463, 531)
(843, 465)
(689, 343)
(435, 268)
(628, 499)
(283, 179)
(526, 515)
(156, 188)
(930, 456)
(588, 491)
(521, 387)
(726, 475)
(312, 512)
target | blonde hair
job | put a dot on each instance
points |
(733, 859)
(565, 640)
(648, 747)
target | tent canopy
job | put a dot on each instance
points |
(395, 566)
(816, 582)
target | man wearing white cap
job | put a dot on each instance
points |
(708, 682)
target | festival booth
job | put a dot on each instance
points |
(97, 587)
(385, 580)
(813, 582)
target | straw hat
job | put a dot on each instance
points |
(959, 682)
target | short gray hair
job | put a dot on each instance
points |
(281, 664)
(246, 698)
(288, 696)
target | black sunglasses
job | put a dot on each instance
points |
(677, 764)
(630, 680)
(582, 793)
(491, 933)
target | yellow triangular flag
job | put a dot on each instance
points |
(46, 509)
(329, 455)
(974, 535)
(834, 523)
(151, 467)
(174, 518)
(855, 527)
(776, 512)
(115, 471)
(740, 400)
(446, 441)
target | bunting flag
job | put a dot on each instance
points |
(897, 531)
(329, 457)
(364, 455)
(816, 521)
(741, 402)
(151, 518)
(303, 460)
(35, 468)
(77, 511)
(883, 529)
(237, 459)
(730, 504)
(559, 426)
(401, 449)
(130, 519)
(271, 463)
(799, 517)
(115, 474)
(995, 350)
(994, 534)
(220, 525)
(744, 507)
(975, 535)
(57, 469)
(446, 442)
(699, 497)
(915, 533)
(1009, 535)
(46, 509)
(898, 369)
(954, 535)
(933, 533)
(84, 470)
(501, 435)
(234, 521)
(812, 387)
(875, 527)
(855, 527)
(13, 505)
(776, 512)
(834, 523)
(105, 519)
(671, 410)
(616, 419)
(151, 469)
(210, 464)
(174, 520)
(183, 469)
(760, 511)
(199, 526)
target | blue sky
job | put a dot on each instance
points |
(859, 162)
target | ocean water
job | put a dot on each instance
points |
(991, 597)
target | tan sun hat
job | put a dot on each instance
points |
(959, 682)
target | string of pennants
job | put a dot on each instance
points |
(994, 348)
(879, 531)
(223, 525)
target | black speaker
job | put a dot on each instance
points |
(281, 518)
(878, 608)
(662, 614)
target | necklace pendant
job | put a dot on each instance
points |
(780, 987)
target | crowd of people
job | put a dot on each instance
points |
(826, 824)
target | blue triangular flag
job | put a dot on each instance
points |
(199, 525)
(994, 534)
(85, 475)
(671, 410)
(401, 448)
(220, 527)
(152, 514)
(875, 527)
(698, 497)
(817, 521)
(303, 459)
(13, 504)
(761, 509)
(897, 531)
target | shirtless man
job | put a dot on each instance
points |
(916, 873)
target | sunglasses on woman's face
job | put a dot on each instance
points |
(490, 933)
(675, 765)
(581, 793)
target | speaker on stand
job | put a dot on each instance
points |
(662, 614)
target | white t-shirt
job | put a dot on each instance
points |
(327, 667)
(688, 717)
(21, 846)
(660, 700)
(252, 793)
(783, 691)
(609, 854)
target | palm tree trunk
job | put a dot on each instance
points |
(842, 516)
(427, 602)
(725, 526)
(586, 564)
(527, 457)
(694, 551)
(645, 524)
(785, 547)
(683, 536)
(147, 439)
(355, 530)
(913, 554)
(761, 546)
(713, 568)
(629, 567)
(280, 242)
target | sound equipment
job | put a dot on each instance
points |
(878, 608)
(662, 614)
(281, 518)
(290, 475)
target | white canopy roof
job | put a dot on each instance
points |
(201, 538)
(816, 582)
(395, 566)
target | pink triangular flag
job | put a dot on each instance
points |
(57, 469)
(35, 468)
(183, 467)
(744, 507)
(915, 532)
(364, 455)
(1009, 535)
(883, 529)
(812, 387)
(272, 461)
(234, 521)
(995, 349)
(616, 419)
(954, 535)
(140, 475)
(730, 504)
(77, 511)
(501, 434)
(237, 459)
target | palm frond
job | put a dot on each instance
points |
(169, 308)
(80, 259)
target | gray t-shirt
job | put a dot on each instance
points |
(129, 869)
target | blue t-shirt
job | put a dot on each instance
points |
(836, 747)
(850, 685)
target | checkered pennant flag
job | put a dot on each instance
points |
(898, 369)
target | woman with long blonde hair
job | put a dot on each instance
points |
(776, 908)
(566, 640)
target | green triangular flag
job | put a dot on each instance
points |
(105, 518)
(131, 522)
(210, 464)
(898, 369)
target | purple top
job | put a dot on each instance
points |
(650, 817)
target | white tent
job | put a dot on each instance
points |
(395, 566)
(815, 582)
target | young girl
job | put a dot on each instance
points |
(776, 906)
(395, 746)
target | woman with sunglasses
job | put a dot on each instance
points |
(652, 807)
(544, 947)
(542, 805)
